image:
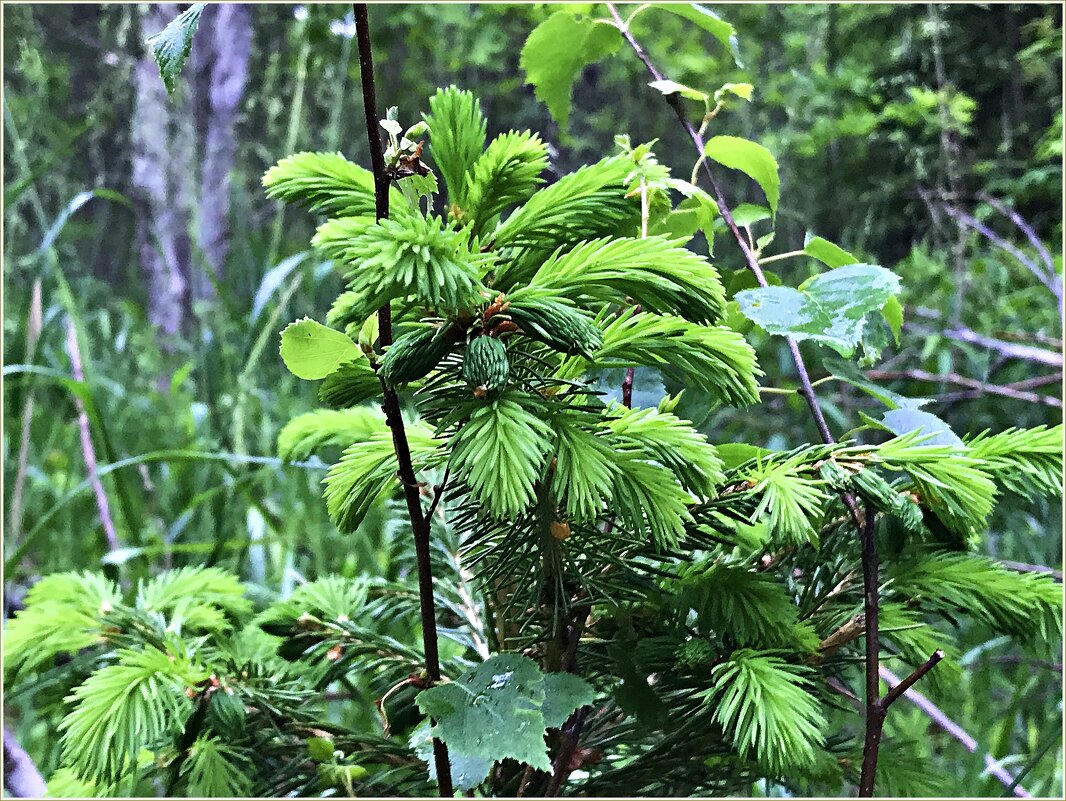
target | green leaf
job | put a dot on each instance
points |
(904, 421)
(710, 22)
(791, 501)
(747, 214)
(892, 311)
(741, 90)
(468, 770)
(320, 749)
(563, 693)
(750, 158)
(846, 371)
(830, 308)
(584, 475)
(556, 52)
(734, 454)
(311, 350)
(668, 87)
(500, 710)
(697, 212)
(171, 46)
(826, 252)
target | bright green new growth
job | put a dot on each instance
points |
(552, 283)
(506, 309)
(764, 704)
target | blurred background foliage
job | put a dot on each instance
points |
(926, 138)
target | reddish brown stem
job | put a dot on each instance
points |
(420, 524)
(875, 721)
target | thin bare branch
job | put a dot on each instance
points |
(1047, 278)
(895, 692)
(420, 524)
(978, 387)
(1010, 350)
(1022, 567)
(87, 451)
(1023, 226)
(934, 713)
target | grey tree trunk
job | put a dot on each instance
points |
(225, 43)
(183, 202)
(161, 143)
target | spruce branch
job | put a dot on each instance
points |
(572, 728)
(420, 524)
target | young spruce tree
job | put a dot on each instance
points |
(609, 603)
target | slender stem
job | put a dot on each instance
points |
(907, 683)
(875, 709)
(727, 215)
(34, 325)
(87, 450)
(419, 522)
(875, 716)
(781, 256)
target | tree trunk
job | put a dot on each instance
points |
(225, 43)
(162, 143)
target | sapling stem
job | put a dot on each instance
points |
(874, 722)
(420, 523)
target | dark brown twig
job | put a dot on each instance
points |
(876, 704)
(978, 387)
(894, 693)
(935, 714)
(391, 402)
(865, 527)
